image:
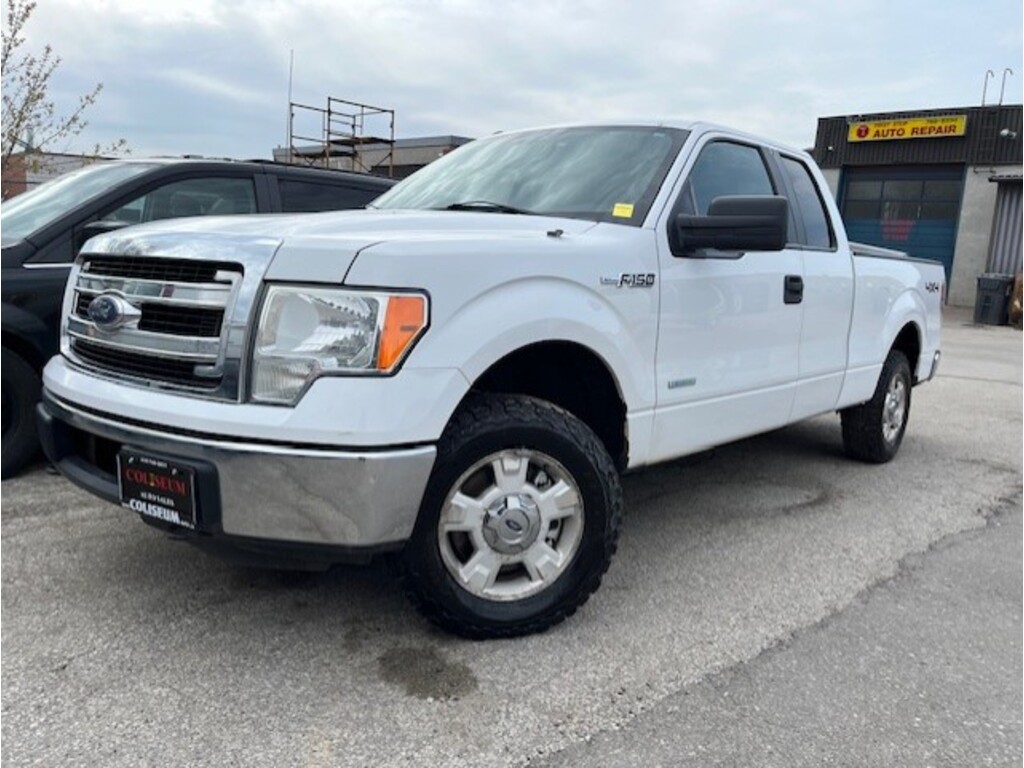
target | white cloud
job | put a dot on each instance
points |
(151, 12)
(207, 83)
(210, 76)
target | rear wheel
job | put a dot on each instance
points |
(873, 431)
(20, 394)
(519, 521)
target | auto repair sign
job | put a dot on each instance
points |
(913, 128)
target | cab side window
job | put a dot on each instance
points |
(299, 196)
(724, 168)
(809, 207)
(190, 197)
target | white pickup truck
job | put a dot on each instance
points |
(459, 375)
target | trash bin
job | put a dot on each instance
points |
(992, 304)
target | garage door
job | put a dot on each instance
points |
(1005, 249)
(909, 208)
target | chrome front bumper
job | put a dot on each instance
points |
(257, 492)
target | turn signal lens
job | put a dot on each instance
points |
(405, 318)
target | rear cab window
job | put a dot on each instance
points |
(302, 196)
(815, 230)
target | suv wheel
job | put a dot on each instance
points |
(20, 394)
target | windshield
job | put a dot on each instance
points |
(29, 212)
(606, 173)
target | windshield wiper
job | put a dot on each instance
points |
(485, 205)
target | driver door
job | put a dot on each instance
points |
(728, 341)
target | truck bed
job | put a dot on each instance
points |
(877, 252)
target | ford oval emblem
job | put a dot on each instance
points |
(108, 312)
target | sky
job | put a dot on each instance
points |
(211, 77)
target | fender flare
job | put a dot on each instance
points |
(907, 309)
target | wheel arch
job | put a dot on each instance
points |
(908, 341)
(24, 348)
(571, 376)
(905, 329)
(26, 334)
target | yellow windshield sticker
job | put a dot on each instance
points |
(623, 210)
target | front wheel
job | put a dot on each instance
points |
(20, 395)
(873, 431)
(519, 521)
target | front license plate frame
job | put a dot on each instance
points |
(157, 488)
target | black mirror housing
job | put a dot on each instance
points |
(734, 223)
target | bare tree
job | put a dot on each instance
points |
(31, 121)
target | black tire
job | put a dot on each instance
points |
(870, 431)
(484, 425)
(20, 395)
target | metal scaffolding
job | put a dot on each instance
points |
(346, 137)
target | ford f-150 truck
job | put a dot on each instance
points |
(459, 375)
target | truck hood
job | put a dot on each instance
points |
(318, 247)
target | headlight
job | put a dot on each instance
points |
(305, 333)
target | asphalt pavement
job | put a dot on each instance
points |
(771, 603)
(921, 670)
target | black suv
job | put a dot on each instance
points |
(44, 228)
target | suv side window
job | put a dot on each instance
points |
(203, 196)
(299, 196)
(810, 209)
(724, 168)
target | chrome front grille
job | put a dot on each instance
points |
(159, 318)
(134, 364)
(169, 327)
(164, 270)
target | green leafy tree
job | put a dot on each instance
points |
(31, 121)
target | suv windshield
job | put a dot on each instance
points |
(33, 210)
(603, 173)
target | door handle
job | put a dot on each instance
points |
(793, 292)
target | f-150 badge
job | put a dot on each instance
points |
(630, 280)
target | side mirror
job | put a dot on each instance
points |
(734, 223)
(94, 228)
